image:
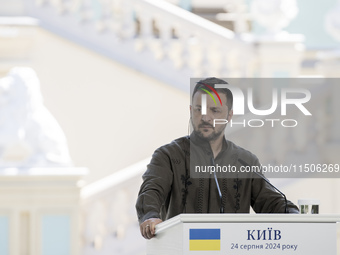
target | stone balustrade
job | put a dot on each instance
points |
(167, 42)
(155, 37)
(39, 210)
(109, 221)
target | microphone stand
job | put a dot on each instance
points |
(218, 187)
(264, 178)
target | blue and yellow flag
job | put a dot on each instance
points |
(205, 240)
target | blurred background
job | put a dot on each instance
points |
(90, 88)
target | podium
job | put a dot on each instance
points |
(236, 234)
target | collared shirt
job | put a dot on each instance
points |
(171, 186)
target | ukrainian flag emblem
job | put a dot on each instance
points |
(205, 240)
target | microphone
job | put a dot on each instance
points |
(218, 187)
(264, 178)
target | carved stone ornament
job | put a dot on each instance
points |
(332, 22)
(274, 14)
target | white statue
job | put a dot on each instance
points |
(29, 134)
(274, 14)
(332, 22)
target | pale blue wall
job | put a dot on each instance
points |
(55, 234)
(310, 22)
(4, 235)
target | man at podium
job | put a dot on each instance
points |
(179, 178)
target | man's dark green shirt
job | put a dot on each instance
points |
(169, 187)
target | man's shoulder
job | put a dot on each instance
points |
(181, 144)
(241, 152)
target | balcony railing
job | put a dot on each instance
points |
(39, 210)
(109, 221)
(154, 37)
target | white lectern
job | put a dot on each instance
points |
(233, 234)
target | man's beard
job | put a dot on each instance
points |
(213, 136)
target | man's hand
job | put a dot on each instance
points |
(147, 228)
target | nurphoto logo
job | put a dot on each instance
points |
(239, 105)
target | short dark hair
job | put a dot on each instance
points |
(211, 81)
